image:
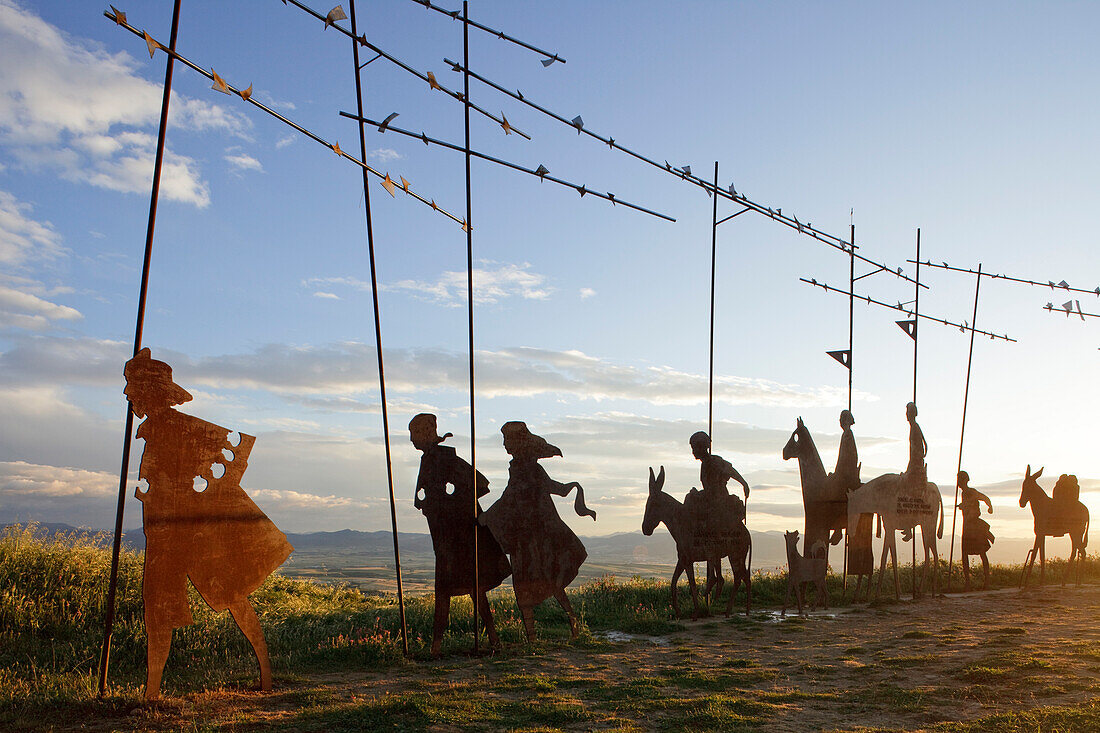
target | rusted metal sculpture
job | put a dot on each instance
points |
(694, 545)
(709, 505)
(546, 555)
(445, 494)
(903, 502)
(977, 538)
(199, 523)
(1055, 516)
(824, 496)
(802, 569)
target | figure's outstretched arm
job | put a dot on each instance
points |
(988, 503)
(559, 489)
(737, 477)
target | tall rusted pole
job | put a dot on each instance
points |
(378, 334)
(962, 430)
(109, 620)
(470, 295)
(916, 330)
(851, 321)
(713, 266)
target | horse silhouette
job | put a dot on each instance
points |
(694, 546)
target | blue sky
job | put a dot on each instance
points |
(973, 122)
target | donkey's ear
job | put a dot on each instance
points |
(1027, 471)
(1038, 473)
(800, 422)
(661, 478)
(652, 478)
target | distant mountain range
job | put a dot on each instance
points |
(319, 554)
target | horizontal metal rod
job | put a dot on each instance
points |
(739, 213)
(777, 215)
(1055, 309)
(1024, 281)
(457, 15)
(583, 190)
(868, 274)
(866, 299)
(423, 77)
(249, 99)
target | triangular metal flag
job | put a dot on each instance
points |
(404, 183)
(910, 328)
(541, 171)
(120, 17)
(388, 184)
(247, 93)
(578, 123)
(151, 44)
(844, 356)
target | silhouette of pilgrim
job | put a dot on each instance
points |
(916, 473)
(861, 558)
(714, 509)
(846, 474)
(214, 535)
(977, 538)
(450, 521)
(546, 555)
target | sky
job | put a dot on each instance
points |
(971, 122)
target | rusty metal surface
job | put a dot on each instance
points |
(199, 523)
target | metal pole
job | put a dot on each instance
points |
(470, 294)
(962, 430)
(851, 310)
(713, 261)
(109, 620)
(851, 321)
(916, 332)
(378, 337)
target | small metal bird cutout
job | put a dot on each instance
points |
(388, 120)
(120, 17)
(505, 125)
(219, 83)
(334, 15)
(404, 183)
(432, 81)
(578, 123)
(1063, 284)
(247, 93)
(541, 170)
(336, 149)
(388, 184)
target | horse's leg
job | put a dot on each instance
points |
(1030, 562)
(528, 615)
(736, 585)
(894, 563)
(881, 570)
(1042, 559)
(694, 591)
(966, 572)
(985, 572)
(487, 617)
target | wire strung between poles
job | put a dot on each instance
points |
(429, 78)
(456, 15)
(221, 85)
(684, 174)
(1023, 281)
(540, 173)
(872, 301)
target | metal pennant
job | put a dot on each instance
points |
(219, 83)
(844, 356)
(151, 44)
(334, 15)
(910, 328)
(391, 187)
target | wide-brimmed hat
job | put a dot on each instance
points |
(157, 375)
(526, 443)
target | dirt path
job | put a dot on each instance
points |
(907, 666)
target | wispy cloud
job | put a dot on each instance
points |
(490, 285)
(22, 238)
(587, 293)
(385, 155)
(284, 141)
(326, 296)
(239, 162)
(70, 107)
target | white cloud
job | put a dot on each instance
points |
(587, 293)
(23, 310)
(324, 295)
(240, 162)
(70, 107)
(22, 478)
(386, 155)
(490, 286)
(284, 141)
(21, 237)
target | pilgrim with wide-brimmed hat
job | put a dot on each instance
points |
(199, 523)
